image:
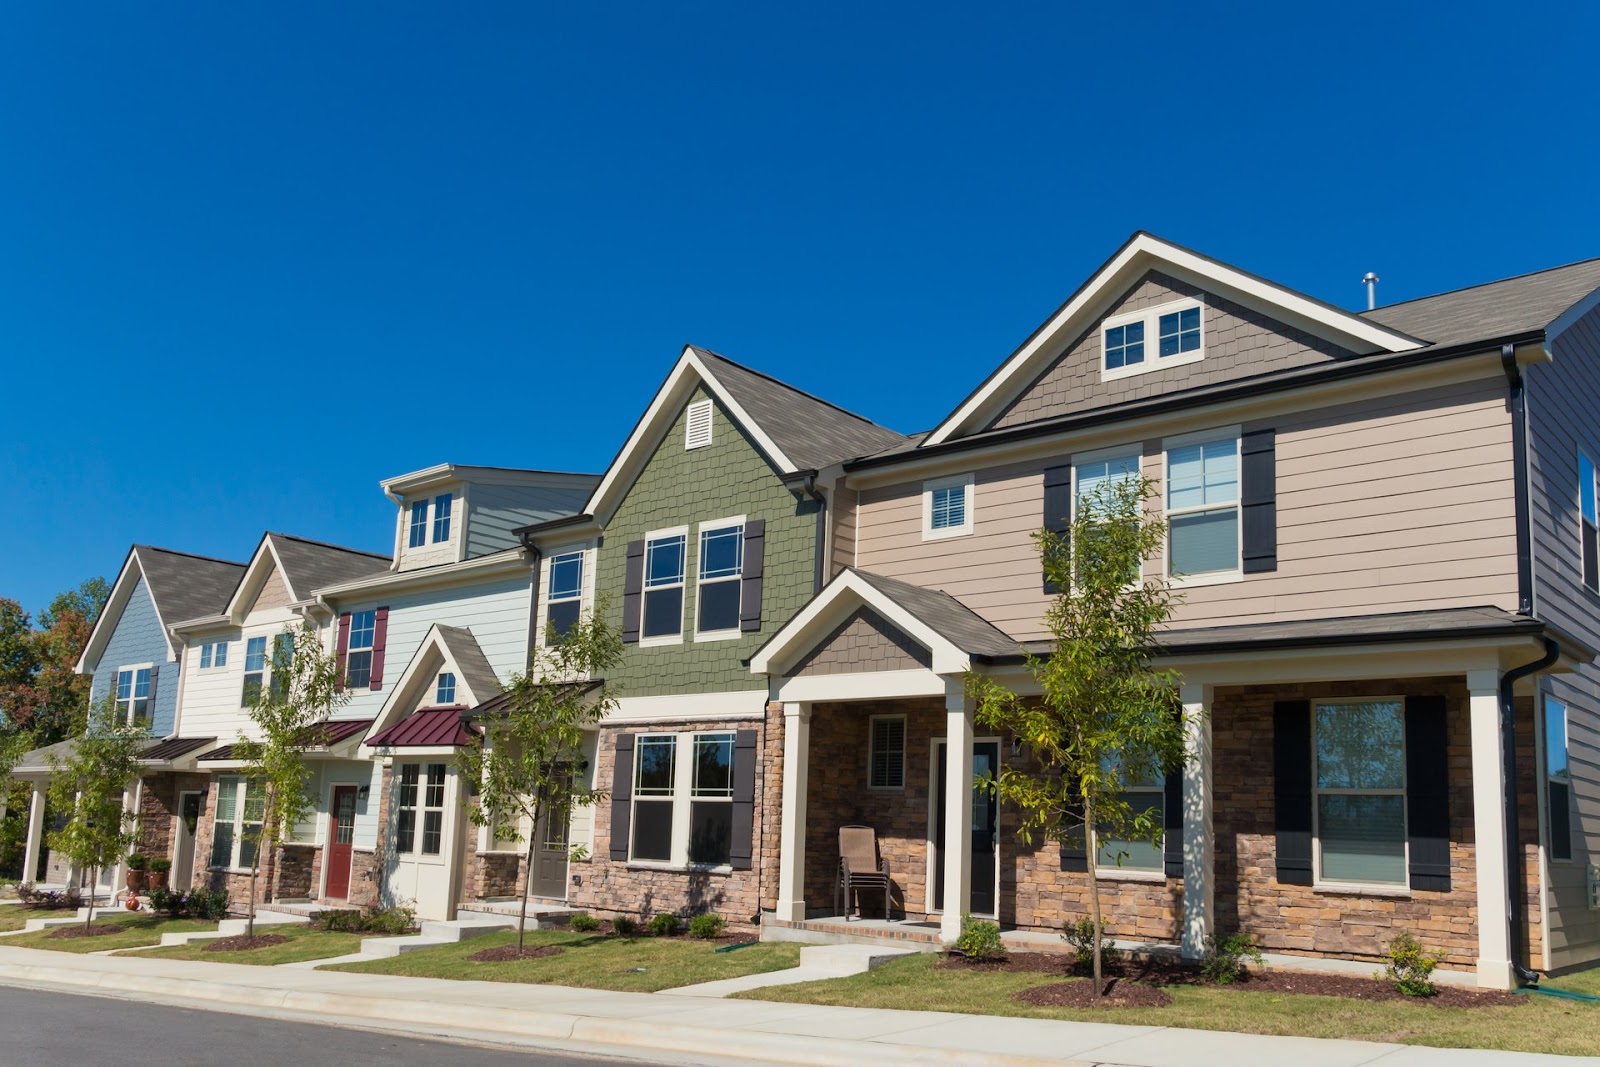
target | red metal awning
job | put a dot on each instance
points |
(427, 727)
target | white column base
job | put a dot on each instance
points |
(1495, 974)
(792, 835)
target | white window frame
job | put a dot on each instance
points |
(872, 753)
(957, 481)
(240, 784)
(586, 550)
(438, 689)
(733, 633)
(1585, 457)
(645, 588)
(1200, 438)
(421, 808)
(683, 798)
(260, 675)
(699, 425)
(1151, 317)
(1403, 886)
(1547, 700)
(350, 649)
(1122, 872)
(448, 500)
(125, 706)
(418, 509)
(213, 655)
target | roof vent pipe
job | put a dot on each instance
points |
(1371, 282)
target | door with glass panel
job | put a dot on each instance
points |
(341, 841)
(423, 836)
(550, 856)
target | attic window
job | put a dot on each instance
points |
(697, 434)
(1165, 336)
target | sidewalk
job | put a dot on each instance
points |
(702, 1029)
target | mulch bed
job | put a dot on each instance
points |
(241, 943)
(503, 953)
(87, 931)
(1120, 993)
(1340, 985)
(727, 937)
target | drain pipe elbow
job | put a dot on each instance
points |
(1516, 880)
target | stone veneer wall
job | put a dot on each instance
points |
(156, 829)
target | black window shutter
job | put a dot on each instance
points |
(1057, 510)
(1258, 497)
(1291, 777)
(1428, 793)
(622, 798)
(744, 800)
(755, 540)
(155, 673)
(633, 593)
(1559, 795)
(1591, 556)
(1074, 847)
(1172, 823)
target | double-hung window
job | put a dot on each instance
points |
(711, 800)
(255, 670)
(445, 692)
(1588, 524)
(683, 799)
(655, 776)
(441, 516)
(663, 586)
(282, 661)
(1203, 507)
(237, 830)
(1558, 779)
(213, 654)
(564, 601)
(1142, 792)
(358, 657)
(947, 507)
(133, 696)
(886, 752)
(1176, 330)
(1360, 783)
(721, 568)
(419, 524)
(419, 799)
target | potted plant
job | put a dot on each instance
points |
(137, 864)
(159, 869)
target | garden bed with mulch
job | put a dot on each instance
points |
(241, 943)
(98, 930)
(1120, 993)
(502, 953)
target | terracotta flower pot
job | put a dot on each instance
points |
(155, 880)
(136, 881)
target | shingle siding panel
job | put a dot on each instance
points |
(138, 638)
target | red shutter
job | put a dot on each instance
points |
(342, 650)
(380, 637)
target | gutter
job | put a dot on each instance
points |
(1515, 866)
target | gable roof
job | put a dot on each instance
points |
(443, 647)
(1142, 253)
(304, 564)
(1526, 303)
(181, 586)
(793, 429)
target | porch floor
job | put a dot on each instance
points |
(919, 934)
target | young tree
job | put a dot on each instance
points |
(1106, 718)
(90, 784)
(526, 768)
(303, 691)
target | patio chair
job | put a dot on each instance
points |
(860, 867)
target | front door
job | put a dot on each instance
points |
(423, 830)
(341, 839)
(985, 837)
(189, 807)
(550, 858)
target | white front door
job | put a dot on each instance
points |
(424, 835)
(190, 805)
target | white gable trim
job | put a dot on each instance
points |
(652, 428)
(111, 614)
(403, 698)
(254, 577)
(831, 607)
(1141, 254)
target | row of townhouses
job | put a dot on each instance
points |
(1382, 526)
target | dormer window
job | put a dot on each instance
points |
(441, 516)
(1177, 330)
(697, 428)
(419, 524)
(445, 692)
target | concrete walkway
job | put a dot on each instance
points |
(692, 1029)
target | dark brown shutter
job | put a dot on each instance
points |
(342, 649)
(1291, 782)
(1172, 823)
(1057, 509)
(380, 640)
(633, 593)
(1428, 793)
(744, 800)
(155, 672)
(1591, 556)
(1074, 845)
(622, 798)
(755, 541)
(1258, 497)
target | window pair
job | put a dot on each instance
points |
(256, 666)
(1176, 329)
(240, 807)
(683, 798)
(720, 570)
(420, 791)
(133, 697)
(442, 506)
(213, 654)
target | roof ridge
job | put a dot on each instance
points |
(793, 388)
(1481, 285)
(191, 555)
(327, 544)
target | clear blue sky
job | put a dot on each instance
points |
(254, 258)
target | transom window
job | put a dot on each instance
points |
(445, 692)
(683, 812)
(1203, 508)
(419, 524)
(564, 602)
(886, 753)
(255, 669)
(1558, 779)
(1176, 328)
(1360, 780)
(240, 807)
(358, 657)
(663, 586)
(947, 507)
(133, 696)
(213, 654)
(441, 516)
(420, 790)
(721, 567)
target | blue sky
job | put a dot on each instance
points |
(254, 258)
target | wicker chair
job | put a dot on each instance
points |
(860, 867)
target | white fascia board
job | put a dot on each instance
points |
(690, 707)
(508, 560)
(843, 595)
(121, 592)
(1138, 256)
(444, 473)
(248, 579)
(875, 685)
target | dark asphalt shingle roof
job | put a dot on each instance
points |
(317, 735)
(311, 565)
(479, 677)
(1501, 308)
(174, 747)
(945, 615)
(185, 586)
(39, 759)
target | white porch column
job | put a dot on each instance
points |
(957, 809)
(792, 840)
(1199, 863)
(1489, 822)
(30, 863)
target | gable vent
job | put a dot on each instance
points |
(698, 432)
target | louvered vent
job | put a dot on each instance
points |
(698, 432)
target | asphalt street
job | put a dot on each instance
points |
(48, 1029)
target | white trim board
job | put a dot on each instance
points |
(693, 707)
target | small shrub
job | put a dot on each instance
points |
(160, 866)
(394, 920)
(1225, 957)
(1080, 935)
(339, 921)
(137, 862)
(26, 893)
(706, 927)
(209, 904)
(164, 900)
(980, 940)
(664, 924)
(1411, 968)
(625, 926)
(582, 922)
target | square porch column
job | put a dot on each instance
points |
(1199, 851)
(1489, 825)
(957, 808)
(792, 828)
(30, 863)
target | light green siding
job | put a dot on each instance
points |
(682, 488)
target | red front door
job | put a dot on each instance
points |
(341, 834)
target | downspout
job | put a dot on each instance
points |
(1519, 454)
(533, 604)
(809, 487)
(1516, 880)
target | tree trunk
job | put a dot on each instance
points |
(94, 883)
(1094, 893)
(250, 908)
(527, 882)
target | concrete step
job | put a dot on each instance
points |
(33, 925)
(537, 910)
(236, 927)
(390, 947)
(462, 928)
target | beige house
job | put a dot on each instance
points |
(1382, 526)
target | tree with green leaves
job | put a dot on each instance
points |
(1106, 718)
(526, 760)
(90, 784)
(303, 691)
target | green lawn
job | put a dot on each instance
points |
(14, 916)
(138, 929)
(591, 961)
(304, 943)
(1542, 1025)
